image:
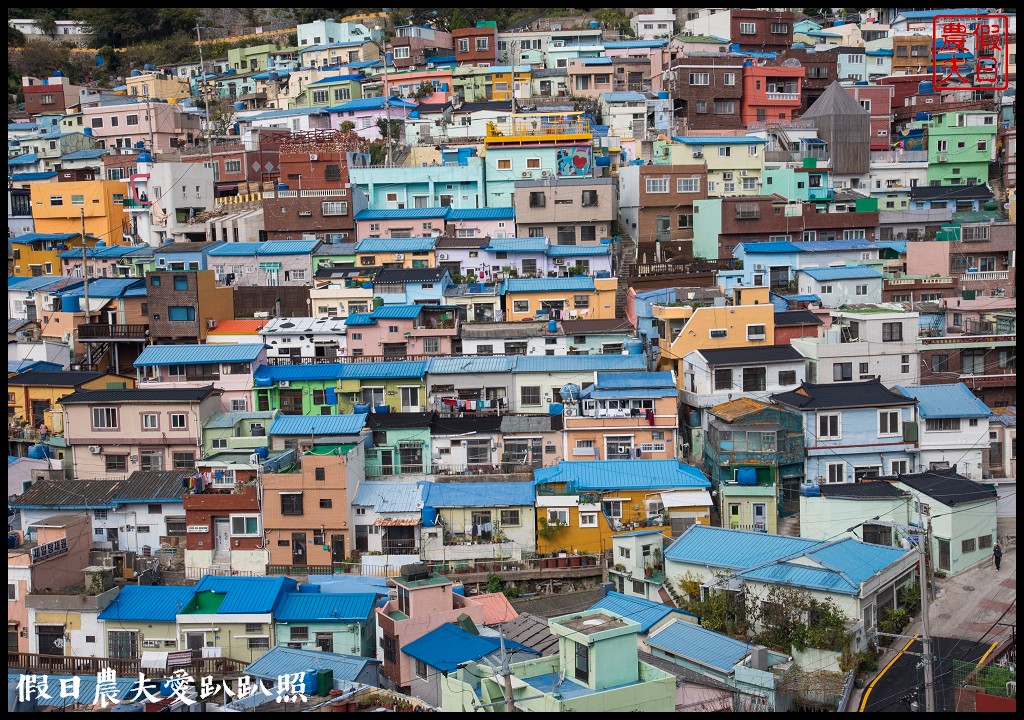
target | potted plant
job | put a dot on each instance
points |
(563, 559)
(575, 561)
(648, 570)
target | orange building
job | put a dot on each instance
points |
(770, 93)
(60, 207)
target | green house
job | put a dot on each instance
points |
(331, 622)
(960, 147)
(401, 444)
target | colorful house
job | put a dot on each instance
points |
(527, 298)
(734, 162)
(361, 112)
(275, 262)
(411, 222)
(582, 504)
(407, 286)
(327, 622)
(479, 520)
(961, 145)
(396, 331)
(954, 428)
(405, 252)
(398, 384)
(35, 396)
(770, 93)
(35, 254)
(142, 617)
(229, 368)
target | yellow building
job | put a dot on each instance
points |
(417, 252)
(36, 254)
(684, 327)
(734, 163)
(158, 86)
(35, 396)
(581, 505)
(59, 208)
(561, 298)
(505, 82)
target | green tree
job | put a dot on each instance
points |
(222, 116)
(119, 26)
(179, 20)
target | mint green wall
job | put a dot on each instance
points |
(707, 226)
(971, 162)
(349, 638)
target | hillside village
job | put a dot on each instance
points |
(527, 366)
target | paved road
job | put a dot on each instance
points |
(898, 686)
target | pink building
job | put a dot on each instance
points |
(425, 602)
(115, 432)
(52, 558)
(134, 122)
(877, 100)
(397, 331)
(407, 83)
(228, 367)
(102, 261)
(493, 222)
(411, 222)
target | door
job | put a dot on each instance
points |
(112, 538)
(51, 639)
(778, 276)
(410, 399)
(734, 515)
(325, 641)
(291, 402)
(195, 641)
(759, 516)
(663, 228)
(337, 548)
(298, 548)
(221, 537)
(943, 554)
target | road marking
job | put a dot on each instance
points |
(867, 693)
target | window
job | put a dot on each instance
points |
(892, 332)
(245, 525)
(725, 152)
(484, 349)
(684, 221)
(588, 519)
(754, 379)
(334, 208)
(510, 518)
(780, 28)
(56, 201)
(942, 424)
(688, 185)
(723, 379)
(862, 290)
(756, 332)
(968, 545)
(529, 395)
(718, 333)
(431, 345)
(729, 78)
(942, 146)
(179, 421)
(582, 670)
(829, 426)
(150, 421)
(725, 107)
(748, 28)
(184, 461)
(566, 235)
(463, 46)
(657, 185)
(749, 183)
(116, 463)
(842, 372)
(939, 363)
(699, 78)
(984, 542)
(104, 418)
(904, 364)
(888, 422)
(558, 516)
(581, 301)
(181, 313)
(702, 107)
(482, 44)
(836, 472)
(260, 643)
(78, 199)
(123, 644)
(291, 503)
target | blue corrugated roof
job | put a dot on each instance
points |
(579, 363)
(577, 250)
(318, 424)
(198, 354)
(700, 645)
(403, 214)
(26, 176)
(27, 159)
(620, 381)
(391, 497)
(627, 96)
(597, 394)
(448, 646)
(271, 247)
(336, 607)
(635, 44)
(103, 251)
(153, 603)
(518, 245)
(397, 312)
(84, 155)
(469, 365)
(274, 114)
(247, 594)
(518, 285)
(402, 245)
(588, 62)
(645, 612)
(376, 103)
(488, 213)
(784, 573)
(267, 375)
(719, 547)
(954, 400)
(360, 320)
(338, 78)
(281, 660)
(480, 494)
(857, 560)
(33, 283)
(770, 247)
(622, 475)
(17, 366)
(384, 370)
(349, 584)
(802, 297)
(109, 288)
(32, 237)
(852, 272)
(900, 246)
(719, 140)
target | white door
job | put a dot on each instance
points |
(222, 536)
(759, 516)
(410, 399)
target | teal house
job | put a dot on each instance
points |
(961, 144)
(401, 444)
(328, 622)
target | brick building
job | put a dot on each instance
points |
(476, 46)
(761, 30)
(820, 71)
(770, 94)
(656, 201)
(707, 91)
(184, 305)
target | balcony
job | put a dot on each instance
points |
(399, 547)
(1006, 379)
(820, 194)
(783, 97)
(893, 156)
(985, 276)
(97, 332)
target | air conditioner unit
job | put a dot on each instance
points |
(743, 173)
(95, 449)
(314, 156)
(559, 261)
(261, 314)
(284, 383)
(442, 256)
(914, 53)
(759, 267)
(943, 158)
(727, 176)
(399, 256)
(305, 213)
(211, 323)
(545, 173)
(527, 174)
(698, 155)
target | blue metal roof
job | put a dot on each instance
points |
(349, 584)
(954, 400)
(480, 494)
(596, 61)
(397, 312)
(198, 354)
(577, 250)
(102, 251)
(376, 103)
(488, 213)
(469, 365)
(802, 297)
(636, 380)
(622, 475)
(247, 594)
(719, 547)
(110, 288)
(29, 238)
(391, 497)
(719, 140)
(402, 245)
(280, 660)
(313, 607)
(153, 603)
(899, 246)
(618, 97)
(17, 366)
(26, 176)
(338, 78)
(645, 612)
(519, 285)
(700, 645)
(448, 646)
(27, 159)
(634, 44)
(84, 155)
(33, 283)
(403, 214)
(267, 375)
(853, 272)
(784, 573)
(383, 370)
(578, 363)
(598, 394)
(518, 245)
(274, 114)
(857, 560)
(318, 424)
(271, 247)
(360, 320)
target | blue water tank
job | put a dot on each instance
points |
(360, 408)
(594, 24)
(663, 95)
(603, 274)
(148, 67)
(140, 145)
(71, 304)
(136, 73)
(58, 73)
(239, 106)
(633, 346)
(87, 132)
(262, 452)
(382, 408)
(144, 157)
(308, 681)
(603, 161)
(414, 114)
(429, 516)
(309, 588)
(810, 490)
(838, 23)
(693, 418)
(862, 82)
(555, 408)
(922, 116)
(925, 87)
(746, 476)
(281, 186)
(12, 540)
(552, 326)
(748, 63)
(459, 589)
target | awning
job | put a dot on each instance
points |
(96, 304)
(686, 498)
(232, 186)
(396, 522)
(155, 660)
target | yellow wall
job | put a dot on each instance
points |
(158, 87)
(25, 395)
(520, 77)
(601, 305)
(387, 258)
(27, 257)
(103, 217)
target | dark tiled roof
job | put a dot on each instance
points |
(763, 353)
(71, 378)
(491, 105)
(116, 396)
(139, 486)
(395, 276)
(185, 247)
(583, 327)
(946, 192)
(549, 606)
(870, 393)
(397, 421)
(682, 673)
(533, 632)
(157, 484)
(460, 425)
(796, 317)
(862, 490)
(948, 487)
(447, 243)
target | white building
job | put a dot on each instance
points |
(953, 427)
(305, 340)
(327, 32)
(657, 24)
(712, 377)
(838, 286)
(871, 341)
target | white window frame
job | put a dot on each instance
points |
(688, 185)
(588, 519)
(899, 423)
(842, 472)
(184, 421)
(145, 421)
(560, 514)
(839, 426)
(108, 413)
(243, 518)
(763, 335)
(659, 183)
(748, 28)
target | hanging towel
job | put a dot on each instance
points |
(650, 417)
(450, 402)
(468, 529)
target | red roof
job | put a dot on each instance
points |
(238, 327)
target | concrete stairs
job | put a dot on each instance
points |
(789, 525)
(626, 258)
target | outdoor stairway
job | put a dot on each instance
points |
(626, 259)
(789, 525)
(669, 588)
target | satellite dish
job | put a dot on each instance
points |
(570, 392)
(790, 62)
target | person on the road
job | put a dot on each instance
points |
(997, 555)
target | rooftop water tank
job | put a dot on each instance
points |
(633, 346)
(663, 95)
(552, 326)
(925, 87)
(144, 157)
(746, 476)
(862, 82)
(281, 186)
(810, 490)
(141, 144)
(100, 243)
(594, 24)
(87, 132)
(239, 106)
(70, 304)
(136, 73)
(58, 73)
(555, 408)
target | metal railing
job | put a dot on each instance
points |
(399, 547)
(124, 667)
(985, 275)
(102, 331)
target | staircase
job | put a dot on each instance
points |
(626, 258)
(789, 525)
(669, 588)
(100, 352)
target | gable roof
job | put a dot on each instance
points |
(397, 276)
(532, 631)
(334, 607)
(396, 245)
(835, 101)
(814, 396)
(621, 475)
(391, 497)
(643, 611)
(862, 490)
(753, 354)
(954, 192)
(66, 378)
(497, 608)
(247, 594)
(787, 318)
(947, 487)
(318, 424)
(179, 395)
(953, 400)
(566, 284)
(280, 660)
(155, 355)
(480, 494)
(700, 645)
(448, 646)
(153, 603)
(853, 272)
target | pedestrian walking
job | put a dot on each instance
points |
(997, 555)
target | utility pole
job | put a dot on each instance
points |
(510, 704)
(514, 47)
(85, 286)
(206, 100)
(149, 116)
(387, 95)
(926, 638)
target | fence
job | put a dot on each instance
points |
(196, 573)
(124, 667)
(993, 679)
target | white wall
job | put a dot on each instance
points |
(843, 292)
